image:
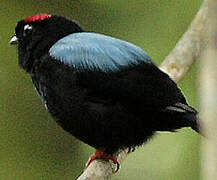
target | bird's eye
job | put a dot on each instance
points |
(27, 28)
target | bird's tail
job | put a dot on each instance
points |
(195, 124)
(178, 116)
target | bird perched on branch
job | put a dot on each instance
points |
(104, 91)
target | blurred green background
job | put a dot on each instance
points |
(33, 147)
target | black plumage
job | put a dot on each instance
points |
(104, 91)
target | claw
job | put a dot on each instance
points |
(101, 154)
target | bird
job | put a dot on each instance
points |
(104, 91)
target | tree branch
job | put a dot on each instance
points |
(208, 95)
(176, 64)
(189, 47)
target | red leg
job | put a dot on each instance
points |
(101, 154)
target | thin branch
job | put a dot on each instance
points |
(188, 48)
(176, 64)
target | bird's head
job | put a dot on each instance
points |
(36, 34)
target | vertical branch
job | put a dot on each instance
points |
(208, 93)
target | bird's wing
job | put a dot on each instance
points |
(99, 59)
(92, 51)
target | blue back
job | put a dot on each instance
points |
(96, 51)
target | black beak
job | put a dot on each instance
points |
(14, 40)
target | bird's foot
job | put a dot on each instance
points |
(101, 154)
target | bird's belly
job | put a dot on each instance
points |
(99, 126)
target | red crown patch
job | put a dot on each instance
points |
(37, 17)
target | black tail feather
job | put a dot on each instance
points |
(178, 116)
(195, 124)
